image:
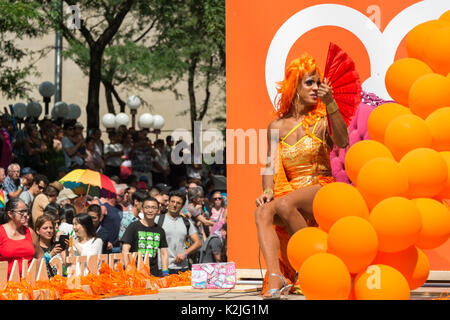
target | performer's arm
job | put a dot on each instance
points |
(267, 177)
(338, 125)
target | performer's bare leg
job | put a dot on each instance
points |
(268, 241)
(289, 211)
(298, 201)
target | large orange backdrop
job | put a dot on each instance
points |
(251, 28)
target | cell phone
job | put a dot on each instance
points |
(62, 241)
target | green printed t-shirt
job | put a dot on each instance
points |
(145, 239)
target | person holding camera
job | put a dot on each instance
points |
(45, 229)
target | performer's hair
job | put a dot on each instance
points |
(288, 87)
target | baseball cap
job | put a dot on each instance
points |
(142, 185)
(65, 194)
(143, 178)
(28, 170)
(57, 185)
(163, 187)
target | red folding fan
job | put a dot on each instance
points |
(344, 79)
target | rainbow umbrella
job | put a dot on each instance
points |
(2, 199)
(89, 182)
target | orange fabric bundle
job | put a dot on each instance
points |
(108, 283)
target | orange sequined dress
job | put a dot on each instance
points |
(303, 164)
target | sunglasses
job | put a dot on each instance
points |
(41, 187)
(217, 198)
(22, 212)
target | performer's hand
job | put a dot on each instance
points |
(325, 93)
(265, 197)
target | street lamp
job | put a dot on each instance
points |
(121, 119)
(60, 110)
(20, 111)
(34, 109)
(108, 121)
(47, 90)
(158, 122)
(145, 121)
(133, 102)
(74, 111)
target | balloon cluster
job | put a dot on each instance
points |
(371, 234)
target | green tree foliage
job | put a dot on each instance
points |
(191, 47)
(147, 44)
(101, 22)
(18, 20)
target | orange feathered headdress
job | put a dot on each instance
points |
(288, 87)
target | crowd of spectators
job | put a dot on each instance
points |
(175, 213)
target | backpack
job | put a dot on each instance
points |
(205, 246)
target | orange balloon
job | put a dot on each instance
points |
(380, 118)
(324, 276)
(445, 192)
(381, 178)
(401, 75)
(438, 51)
(418, 38)
(397, 222)
(354, 241)
(427, 172)
(438, 122)
(304, 243)
(429, 93)
(405, 133)
(445, 16)
(337, 200)
(411, 262)
(360, 153)
(381, 282)
(435, 223)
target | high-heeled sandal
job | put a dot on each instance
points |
(276, 294)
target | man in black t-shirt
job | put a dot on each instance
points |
(146, 236)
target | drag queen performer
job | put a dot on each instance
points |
(302, 166)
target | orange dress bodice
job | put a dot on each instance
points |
(305, 163)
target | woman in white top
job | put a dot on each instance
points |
(86, 242)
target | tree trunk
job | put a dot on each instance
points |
(109, 96)
(93, 105)
(121, 103)
(191, 90)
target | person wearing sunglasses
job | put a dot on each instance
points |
(38, 186)
(218, 212)
(17, 240)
